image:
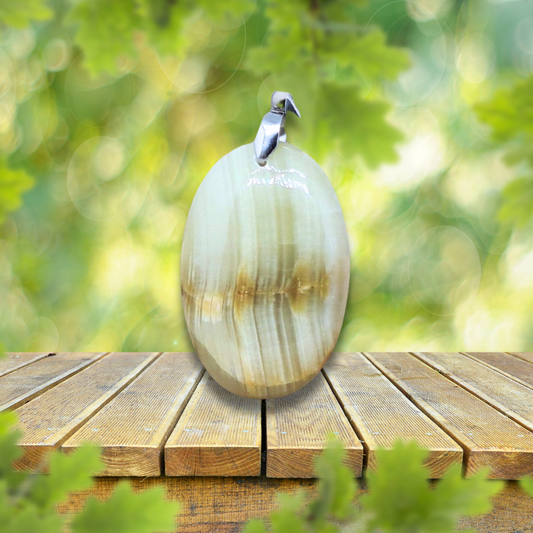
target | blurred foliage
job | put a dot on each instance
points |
(510, 115)
(20, 14)
(336, 490)
(401, 481)
(527, 485)
(107, 29)
(399, 498)
(28, 501)
(116, 110)
(331, 58)
(12, 184)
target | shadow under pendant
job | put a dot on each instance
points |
(265, 265)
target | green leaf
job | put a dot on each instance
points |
(287, 519)
(510, 116)
(20, 13)
(358, 126)
(67, 473)
(107, 29)
(369, 55)
(255, 526)
(455, 496)
(127, 512)
(5, 510)
(263, 60)
(527, 485)
(220, 11)
(105, 32)
(337, 487)
(330, 59)
(162, 22)
(517, 202)
(13, 182)
(29, 519)
(401, 481)
(9, 437)
(510, 112)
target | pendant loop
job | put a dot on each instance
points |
(272, 128)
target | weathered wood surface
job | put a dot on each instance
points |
(297, 427)
(508, 365)
(47, 421)
(489, 438)
(154, 413)
(225, 504)
(133, 427)
(526, 356)
(381, 414)
(14, 360)
(28, 382)
(218, 434)
(504, 394)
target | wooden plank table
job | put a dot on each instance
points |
(162, 420)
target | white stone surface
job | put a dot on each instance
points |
(265, 270)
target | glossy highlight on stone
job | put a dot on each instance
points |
(265, 269)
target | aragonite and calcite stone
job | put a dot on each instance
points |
(265, 269)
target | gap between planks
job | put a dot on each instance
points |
(50, 419)
(510, 366)
(204, 449)
(133, 427)
(488, 437)
(30, 381)
(298, 426)
(14, 360)
(526, 356)
(218, 434)
(505, 395)
(381, 414)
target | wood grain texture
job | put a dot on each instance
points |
(488, 437)
(526, 356)
(132, 428)
(225, 504)
(381, 414)
(297, 428)
(48, 420)
(28, 382)
(14, 360)
(506, 395)
(508, 365)
(218, 434)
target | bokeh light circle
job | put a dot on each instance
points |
(423, 78)
(91, 100)
(474, 185)
(425, 10)
(101, 178)
(444, 270)
(524, 35)
(57, 55)
(377, 208)
(420, 155)
(8, 90)
(475, 58)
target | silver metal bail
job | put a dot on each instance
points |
(272, 128)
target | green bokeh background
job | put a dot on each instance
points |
(111, 114)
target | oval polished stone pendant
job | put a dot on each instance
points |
(265, 269)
